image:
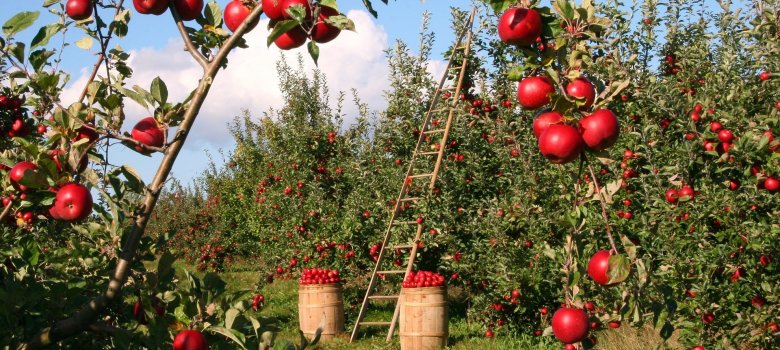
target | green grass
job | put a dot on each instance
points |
(281, 308)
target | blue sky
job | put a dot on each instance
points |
(249, 81)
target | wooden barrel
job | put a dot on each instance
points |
(423, 319)
(321, 304)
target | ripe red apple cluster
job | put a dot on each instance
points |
(13, 118)
(673, 195)
(319, 30)
(422, 279)
(559, 142)
(257, 301)
(319, 276)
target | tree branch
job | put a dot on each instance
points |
(204, 63)
(101, 56)
(89, 312)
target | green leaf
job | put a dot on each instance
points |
(17, 50)
(619, 268)
(501, 5)
(370, 8)
(213, 14)
(165, 264)
(281, 28)
(515, 74)
(45, 34)
(329, 3)
(159, 91)
(230, 317)
(39, 58)
(564, 8)
(297, 12)
(20, 22)
(134, 181)
(48, 3)
(84, 43)
(234, 336)
(314, 51)
(341, 22)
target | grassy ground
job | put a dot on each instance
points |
(281, 305)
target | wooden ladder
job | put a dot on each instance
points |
(457, 64)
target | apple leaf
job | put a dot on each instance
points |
(501, 5)
(84, 43)
(230, 318)
(20, 22)
(229, 333)
(165, 264)
(133, 179)
(297, 12)
(159, 91)
(45, 34)
(48, 3)
(212, 15)
(341, 22)
(515, 74)
(370, 8)
(619, 268)
(17, 50)
(314, 51)
(329, 3)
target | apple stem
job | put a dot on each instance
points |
(603, 209)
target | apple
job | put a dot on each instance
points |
(582, 89)
(598, 267)
(600, 129)
(323, 32)
(235, 14)
(86, 132)
(725, 136)
(148, 132)
(544, 120)
(570, 325)
(190, 340)
(734, 184)
(772, 184)
(560, 144)
(188, 9)
(79, 10)
(698, 347)
(765, 75)
(139, 313)
(154, 7)
(73, 202)
(614, 324)
(520, 26)
(707, 318)
(489, 333)
(534, 92)
(715, 126)
(17, 173)
(294, 38)
(276, 10)
(687, 191)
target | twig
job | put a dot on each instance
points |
(101, 56)
(90, 311)
(202, 61)
(603, 209)
(5, 212)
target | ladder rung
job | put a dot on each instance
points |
(389, 272)
(401, 246)
(383, 297)
(429, 153)
(421, 176)
(387, 324)
(410, 199)
(435, 131)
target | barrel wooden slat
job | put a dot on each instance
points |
(423, 319)
(321, 303)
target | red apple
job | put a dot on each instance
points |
(519, 26)
(598, 267)
(277, 9)
(73, 202)
(560, 143)
(188, 9)
(235, 14)
(582, 89)
(600, 129)
(765, 75)
(17, 173)
(148, 132)
(725, 136)
(79, 10)
(570, 325)
(534, 92)
(324, 32)
(715, 126)
(544, 120)
(772, 184)
(294, 38)
(190, 340)
(154, 7)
